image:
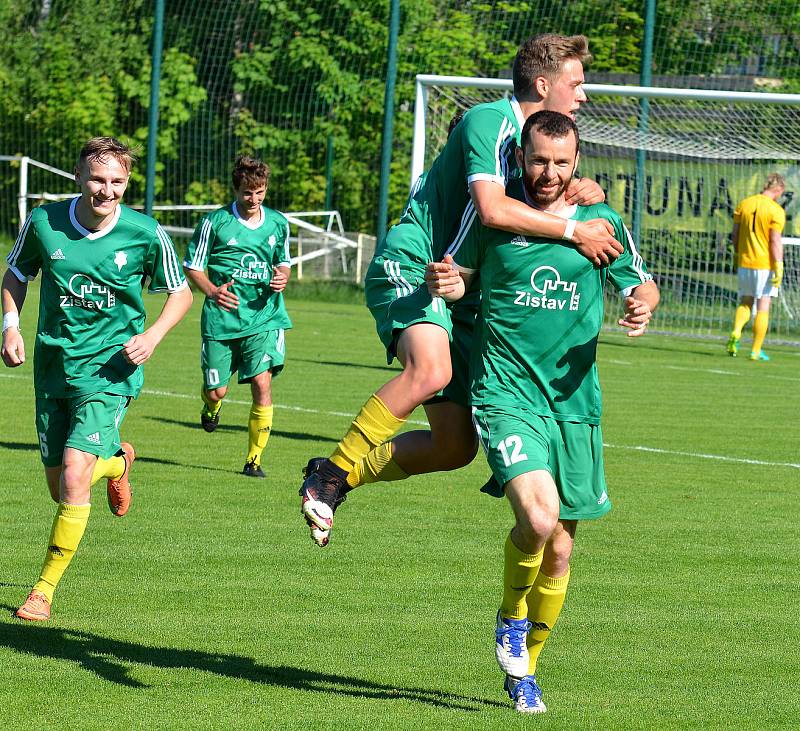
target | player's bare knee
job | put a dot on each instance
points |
(536, 525)
(435, 378)
(425, 383)
(261, 389)
(556, 559)
(75, 485)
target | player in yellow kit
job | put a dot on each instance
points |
(758, 222)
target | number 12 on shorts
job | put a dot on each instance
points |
(511, 450)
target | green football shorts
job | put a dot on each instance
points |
(520, 441)
(88, 423)
(248, 355)
(462, 315)
(398, 298)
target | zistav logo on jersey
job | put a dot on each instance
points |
(87, 294)
(252, 268)
(550, 292)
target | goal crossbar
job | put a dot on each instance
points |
(424, 81)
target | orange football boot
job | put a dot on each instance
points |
(36, 607)
(119, 491)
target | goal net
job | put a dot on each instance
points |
(674, 163)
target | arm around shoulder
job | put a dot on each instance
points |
(593, 239)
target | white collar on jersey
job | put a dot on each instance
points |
(565, 212)
(85, 232)
(258, 223)
(517, 112)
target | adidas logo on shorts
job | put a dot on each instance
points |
(58, 254)
(519, 241)
(94, 438)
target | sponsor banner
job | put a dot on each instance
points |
(691, 196)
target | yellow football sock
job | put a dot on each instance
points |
(544, 606)
(740, 319)
(377, 466)
(373, 426)
(112, 468)
(760, 326)
(68, 527)
(211, 406)
(519, 574)
(259, 428)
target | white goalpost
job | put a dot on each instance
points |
(674, 163)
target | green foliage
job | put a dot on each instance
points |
(617, 44)
(277, 78)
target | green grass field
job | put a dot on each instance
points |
(209, 607)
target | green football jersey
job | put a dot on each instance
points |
(541, 313)
(91, 295)
(245, 252)
(481, 147)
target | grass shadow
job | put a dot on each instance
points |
(23, 446)
(685, 347)
(299, 436)
(348, 364)
(113, 661)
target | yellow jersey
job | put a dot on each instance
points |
(756, 216)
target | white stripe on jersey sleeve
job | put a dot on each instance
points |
(501, 137)
(169, 261)
(287, 261)
(467, 219)
(198, 262)
(13, 255)
(504, 158)
(414, 190)
(638, 262)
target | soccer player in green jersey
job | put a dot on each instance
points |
(465, 184)
(94, 255)
(245, 247)
(535, 390)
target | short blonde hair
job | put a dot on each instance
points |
(774, 181)
(544, 55)
(100, 148)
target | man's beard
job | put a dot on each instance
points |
(540, 199)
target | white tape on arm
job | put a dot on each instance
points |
(10, 319)
(569, 230)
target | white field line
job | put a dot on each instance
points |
(715, 371)
(636, 448)
(700, 455)
(718, 371)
